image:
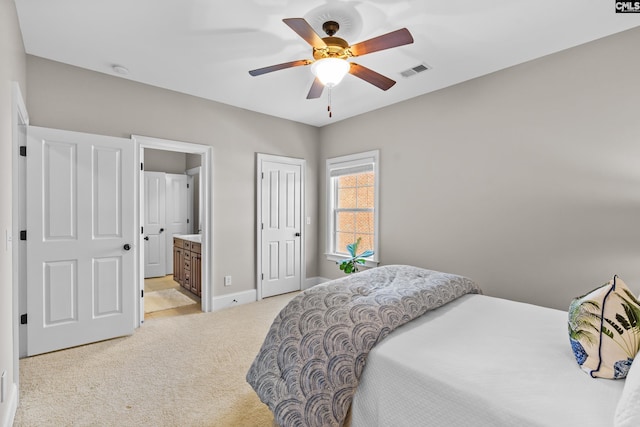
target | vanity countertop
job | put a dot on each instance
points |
(197, 238)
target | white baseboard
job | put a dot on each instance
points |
(312, 281)
(230, 300)
(245, 297)
(12, 407)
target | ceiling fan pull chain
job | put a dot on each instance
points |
(329, 106)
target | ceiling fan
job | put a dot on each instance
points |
(331, 53)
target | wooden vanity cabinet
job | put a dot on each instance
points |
(195, 266)
(187, 264)
(178, 257)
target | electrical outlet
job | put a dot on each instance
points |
(227, 280)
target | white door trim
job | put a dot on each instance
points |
(20, 117)
(303, 264)
(206, 183)
(192, 173)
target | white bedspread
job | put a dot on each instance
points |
(481, 361)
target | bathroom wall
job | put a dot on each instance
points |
(164, 161)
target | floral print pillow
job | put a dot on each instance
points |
(604, 330)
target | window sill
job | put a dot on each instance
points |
(369, 263)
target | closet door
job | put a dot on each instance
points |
(154, 224)
(178, 211)
(281, 219)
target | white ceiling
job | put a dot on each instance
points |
(206, 47)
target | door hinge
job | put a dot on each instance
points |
(141, 166)
(262, 175)
(141, 230)
(262, 276)
(187, 220)
(23, 234)
(23, 150)
(187, 185)
(142, 293)
(23, 319)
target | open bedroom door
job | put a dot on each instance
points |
(80, 239)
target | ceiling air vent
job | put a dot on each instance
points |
(415, 70)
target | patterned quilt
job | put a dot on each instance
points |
(310, 362)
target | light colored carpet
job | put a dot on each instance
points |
(164, 300)
(177, 371)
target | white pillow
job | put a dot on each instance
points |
(628, 409)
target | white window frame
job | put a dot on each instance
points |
(343, 162)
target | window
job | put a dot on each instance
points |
(352, 202)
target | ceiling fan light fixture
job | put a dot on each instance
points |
(330, 71)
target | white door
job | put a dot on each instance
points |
(281, 213)
(80, 239)
(178, 212)
(154, 224)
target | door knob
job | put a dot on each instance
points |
(146, 237)
(161, 230)
(126, 247)
(297, 234)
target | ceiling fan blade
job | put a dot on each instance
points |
(304, 30)
(316, 89)
(370, 76)
(272, 68)
(386, 41)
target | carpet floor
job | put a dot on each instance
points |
(177, 371)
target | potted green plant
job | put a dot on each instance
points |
(350, 265)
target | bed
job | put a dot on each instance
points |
(467, 360)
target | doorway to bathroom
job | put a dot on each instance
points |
(169, 206)
(174, 207)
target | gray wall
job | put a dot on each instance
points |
(12, 69)
(67, 97)
(164, 161)
(526, 180)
